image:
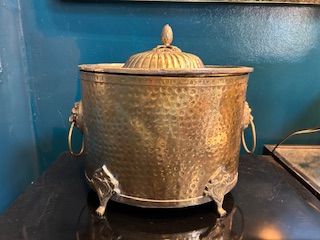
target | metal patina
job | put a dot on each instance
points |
(163, 129)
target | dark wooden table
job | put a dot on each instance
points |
(267, 203)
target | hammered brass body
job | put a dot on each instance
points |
(162, 129)
(162, 137)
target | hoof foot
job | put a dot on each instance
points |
(100, 211)
(221, 211)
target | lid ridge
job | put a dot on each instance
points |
(171, 56)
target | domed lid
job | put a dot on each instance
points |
(165, 56)
(165, 60)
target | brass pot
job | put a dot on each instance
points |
(162, 130)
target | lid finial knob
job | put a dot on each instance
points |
(167, 35)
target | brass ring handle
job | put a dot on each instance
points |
(70, 141)
(254, 139)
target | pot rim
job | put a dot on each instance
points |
(208, 70)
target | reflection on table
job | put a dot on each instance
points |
(132, 223)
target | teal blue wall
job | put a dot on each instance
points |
(282, 43)
(18, 153)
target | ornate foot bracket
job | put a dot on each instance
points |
(219, 184)
(106, 185)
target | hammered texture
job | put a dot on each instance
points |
(162, 137)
